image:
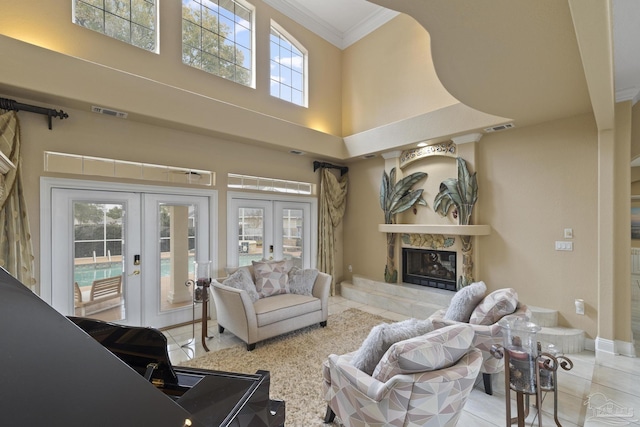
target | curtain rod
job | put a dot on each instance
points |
(10, 104)
(317, 165)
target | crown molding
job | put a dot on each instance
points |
(628, 94)
(342, 40)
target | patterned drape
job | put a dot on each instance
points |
(333, 200)
(16, 250)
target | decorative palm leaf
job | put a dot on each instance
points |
(461, 193)
(398, 197)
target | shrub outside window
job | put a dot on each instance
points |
(130, 21)
(217, 37)
(288, 67)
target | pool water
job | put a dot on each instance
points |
(85, 274)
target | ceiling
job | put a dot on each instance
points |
(343, 22)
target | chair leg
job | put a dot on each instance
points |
(329, 416)
(251, 347)
(220, 329)
(323, 324)
(486, 378)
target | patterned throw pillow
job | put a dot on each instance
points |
(464, 301)
(436, 350)
(495, 306)
(301, 281)
(242, 280)
(271, 278)
(382, 337)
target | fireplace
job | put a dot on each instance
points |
(426, 267)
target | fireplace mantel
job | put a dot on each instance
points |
(447, 230)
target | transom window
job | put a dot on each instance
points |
(288, 67)
(130, 21)
(217, 37)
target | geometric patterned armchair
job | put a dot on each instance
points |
(484, 321)
(423, 381)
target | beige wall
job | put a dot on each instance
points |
(95, 135)
(389, 76)
(533, 183)
(48, 24)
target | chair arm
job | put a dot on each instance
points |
(235, 311)
(343, 371)
(321, 290)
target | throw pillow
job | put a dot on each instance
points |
(494, 307)
(242, 280)
(301, 281)
(271, 278)
(436, 350)
(464, 301)
(384, 336)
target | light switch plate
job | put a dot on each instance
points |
(568, 233)
(564, 246)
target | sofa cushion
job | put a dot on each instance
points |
(271, 278)
(464, 301)
(301, 281)
(384, 335)
(435, 350)
(242, 280)
(494, 307)
(283, 307)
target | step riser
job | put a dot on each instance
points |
(421, 302)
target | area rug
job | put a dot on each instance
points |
(295, 362)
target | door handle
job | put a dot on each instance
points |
(134, 273)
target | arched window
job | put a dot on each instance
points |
(288, 67)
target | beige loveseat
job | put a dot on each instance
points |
(256, 320)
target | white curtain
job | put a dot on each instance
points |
(333, 200)
(16, 250)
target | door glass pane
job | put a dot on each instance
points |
(177, 241)
(250, 235)
(98, 248)
(292, 221)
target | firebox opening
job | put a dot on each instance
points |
(426, 267)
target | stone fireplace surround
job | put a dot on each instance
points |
(464, 262)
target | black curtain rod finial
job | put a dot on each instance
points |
(11, 105)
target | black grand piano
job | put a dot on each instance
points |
(82, 372)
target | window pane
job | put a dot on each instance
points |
(287, 69)
(292, 222)
(131, 21)
(250, 235)
(225, 27)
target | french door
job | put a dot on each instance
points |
(145, 242)
(266, 227)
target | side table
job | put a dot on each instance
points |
(545, 379)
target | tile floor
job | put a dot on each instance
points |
(612, 381)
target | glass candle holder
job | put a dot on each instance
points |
(202, 273)
(520, 342)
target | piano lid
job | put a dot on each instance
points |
(53, 373)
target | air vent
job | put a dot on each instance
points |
(108, 112)
(500, 127)
(296, 152)
(368, 156)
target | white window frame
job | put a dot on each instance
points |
(252, 69)
(156, 29)
(305, 66)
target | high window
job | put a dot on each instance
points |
(217, 37)
(288, 67)
(131, 21)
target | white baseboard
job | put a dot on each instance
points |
(605, 346)
(623, 348)
(626, 348)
